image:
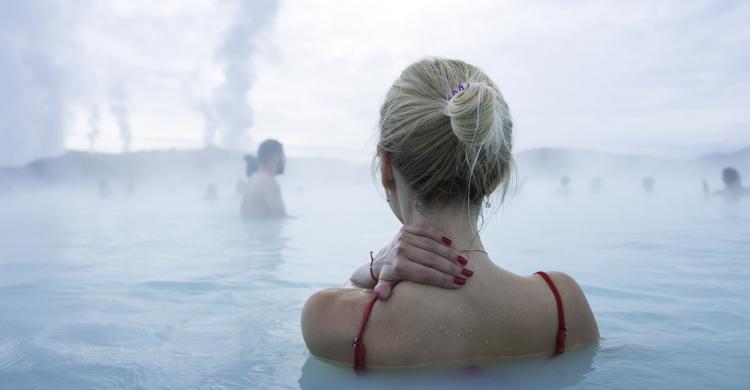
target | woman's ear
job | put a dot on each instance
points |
(386, 172)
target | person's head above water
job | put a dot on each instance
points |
(270, 158)
(731, 177)
(445, 135)
(648, 184)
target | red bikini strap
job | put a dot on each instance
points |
(562, 330)
(359, 347)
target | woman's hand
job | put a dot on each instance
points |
(421, 254)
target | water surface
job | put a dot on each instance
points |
(164, 290)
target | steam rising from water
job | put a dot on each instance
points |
(33, 80)
(229, 111)
(63, 68)
(93, 133)
(119, 109)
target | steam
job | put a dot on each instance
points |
(229, 112)
(32, 76)
(209, 129)
(93, 133)
(119, 109)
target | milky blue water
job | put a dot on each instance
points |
(164, 290)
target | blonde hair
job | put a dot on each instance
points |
(446, 128)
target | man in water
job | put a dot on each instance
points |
(104, 190)
(596, 185)
(733, 185)
(564, 183)
(212, 192)
(262, 194)
(648, 184)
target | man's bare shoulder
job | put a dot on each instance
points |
(259, 177)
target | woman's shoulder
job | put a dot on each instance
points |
(399, 332)
(582, 327)
(331, 319)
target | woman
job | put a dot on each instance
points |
(444, 148)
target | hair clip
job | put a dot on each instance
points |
(456, 91)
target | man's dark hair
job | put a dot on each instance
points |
(730, 176)
(266, 150)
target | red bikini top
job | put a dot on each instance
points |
(562, 329)
(359, 347)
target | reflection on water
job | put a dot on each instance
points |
(536, 373)
(137, 292)
(264, 239)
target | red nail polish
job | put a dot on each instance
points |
(459, 280)
(447, 241)
(462, 260)
(467, 272)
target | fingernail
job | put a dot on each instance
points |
(462, 260)
(447, 241)
(459, 280)
(467, 272)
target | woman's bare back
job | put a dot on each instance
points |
(496, 315)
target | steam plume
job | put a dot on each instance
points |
(119, 109)
(229, 112)
(93, 133)
(32, 76)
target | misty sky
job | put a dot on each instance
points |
(670, 78)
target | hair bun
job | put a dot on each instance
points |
(446, 128)
(473, 113)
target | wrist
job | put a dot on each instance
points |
(373, 275)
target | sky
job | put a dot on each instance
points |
(667, 78)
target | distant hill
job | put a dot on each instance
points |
(136, 165)
(166, 165)
(739, 159)
(558, 161)
(76, 165)
(216, 163)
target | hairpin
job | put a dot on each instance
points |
(456, 91)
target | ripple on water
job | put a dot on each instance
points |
(152, 296)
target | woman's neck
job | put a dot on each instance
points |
(454, 222)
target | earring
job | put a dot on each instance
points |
(487, 203)
(387, 195)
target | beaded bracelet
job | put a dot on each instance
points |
(372, 273)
